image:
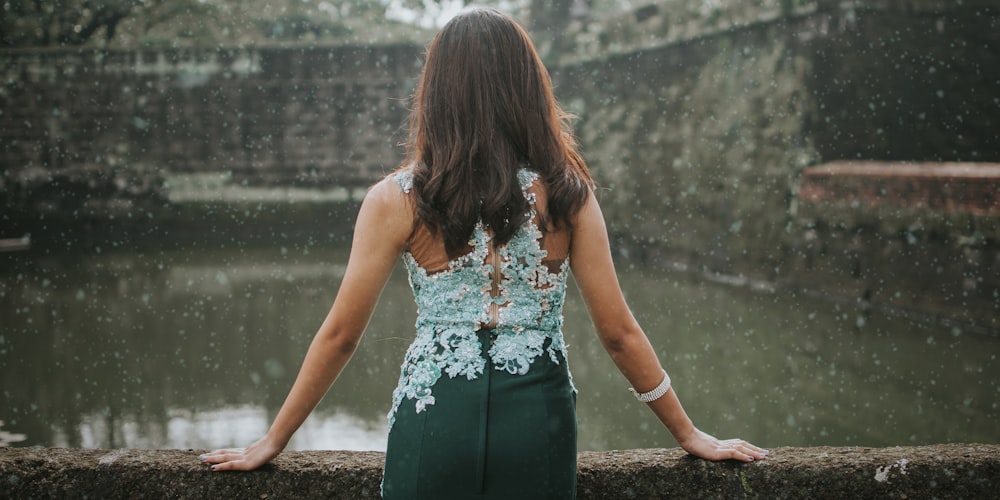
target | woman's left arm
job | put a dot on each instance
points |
(627, 344)
(383, 227)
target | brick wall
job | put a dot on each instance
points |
(311, 115)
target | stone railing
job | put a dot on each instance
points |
(953, 471)
(972, 188)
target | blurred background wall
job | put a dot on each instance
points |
(699, 120)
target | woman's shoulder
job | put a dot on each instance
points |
(392, 191)
(387, 210)
(402, 178)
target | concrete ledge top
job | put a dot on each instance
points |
(969, 188)
(906, 169)
(953, 471)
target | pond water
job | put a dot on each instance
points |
(197, 349)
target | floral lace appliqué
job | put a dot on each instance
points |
(453, 303)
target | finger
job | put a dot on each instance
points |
(747, 448)
(733, 451)
(736, 453)
(733, 442)
(215, 453)
(230, 465)
(755, 450)
(227, 450)
(752, 451)
(214, 458)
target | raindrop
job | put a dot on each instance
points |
(274, 368)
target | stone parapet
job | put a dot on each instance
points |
(951, 187)
(920, 239)
(952, 471)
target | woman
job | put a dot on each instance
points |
(491, 211)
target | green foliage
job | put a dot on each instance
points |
(61, 22)
(299, 27)
(135, 23)
(131, 23)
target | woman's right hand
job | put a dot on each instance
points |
(703, 445)
(248, 458)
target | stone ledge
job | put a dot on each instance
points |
(972, 188)
(953, 471)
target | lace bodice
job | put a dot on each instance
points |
(512, 289)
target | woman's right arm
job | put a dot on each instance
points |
(626, 343)
(380, 235)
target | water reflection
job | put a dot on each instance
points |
(224, 427)
(197, 348)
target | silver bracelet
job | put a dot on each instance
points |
(656, 393)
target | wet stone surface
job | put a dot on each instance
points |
(954, 471)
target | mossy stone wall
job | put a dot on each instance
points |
(944, 471)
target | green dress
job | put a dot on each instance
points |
(485, 406)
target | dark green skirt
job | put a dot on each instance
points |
(498, 436)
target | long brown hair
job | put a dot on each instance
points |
(483, 109)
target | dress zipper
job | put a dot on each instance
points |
(495, 291)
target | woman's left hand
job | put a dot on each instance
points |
(248, 458)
